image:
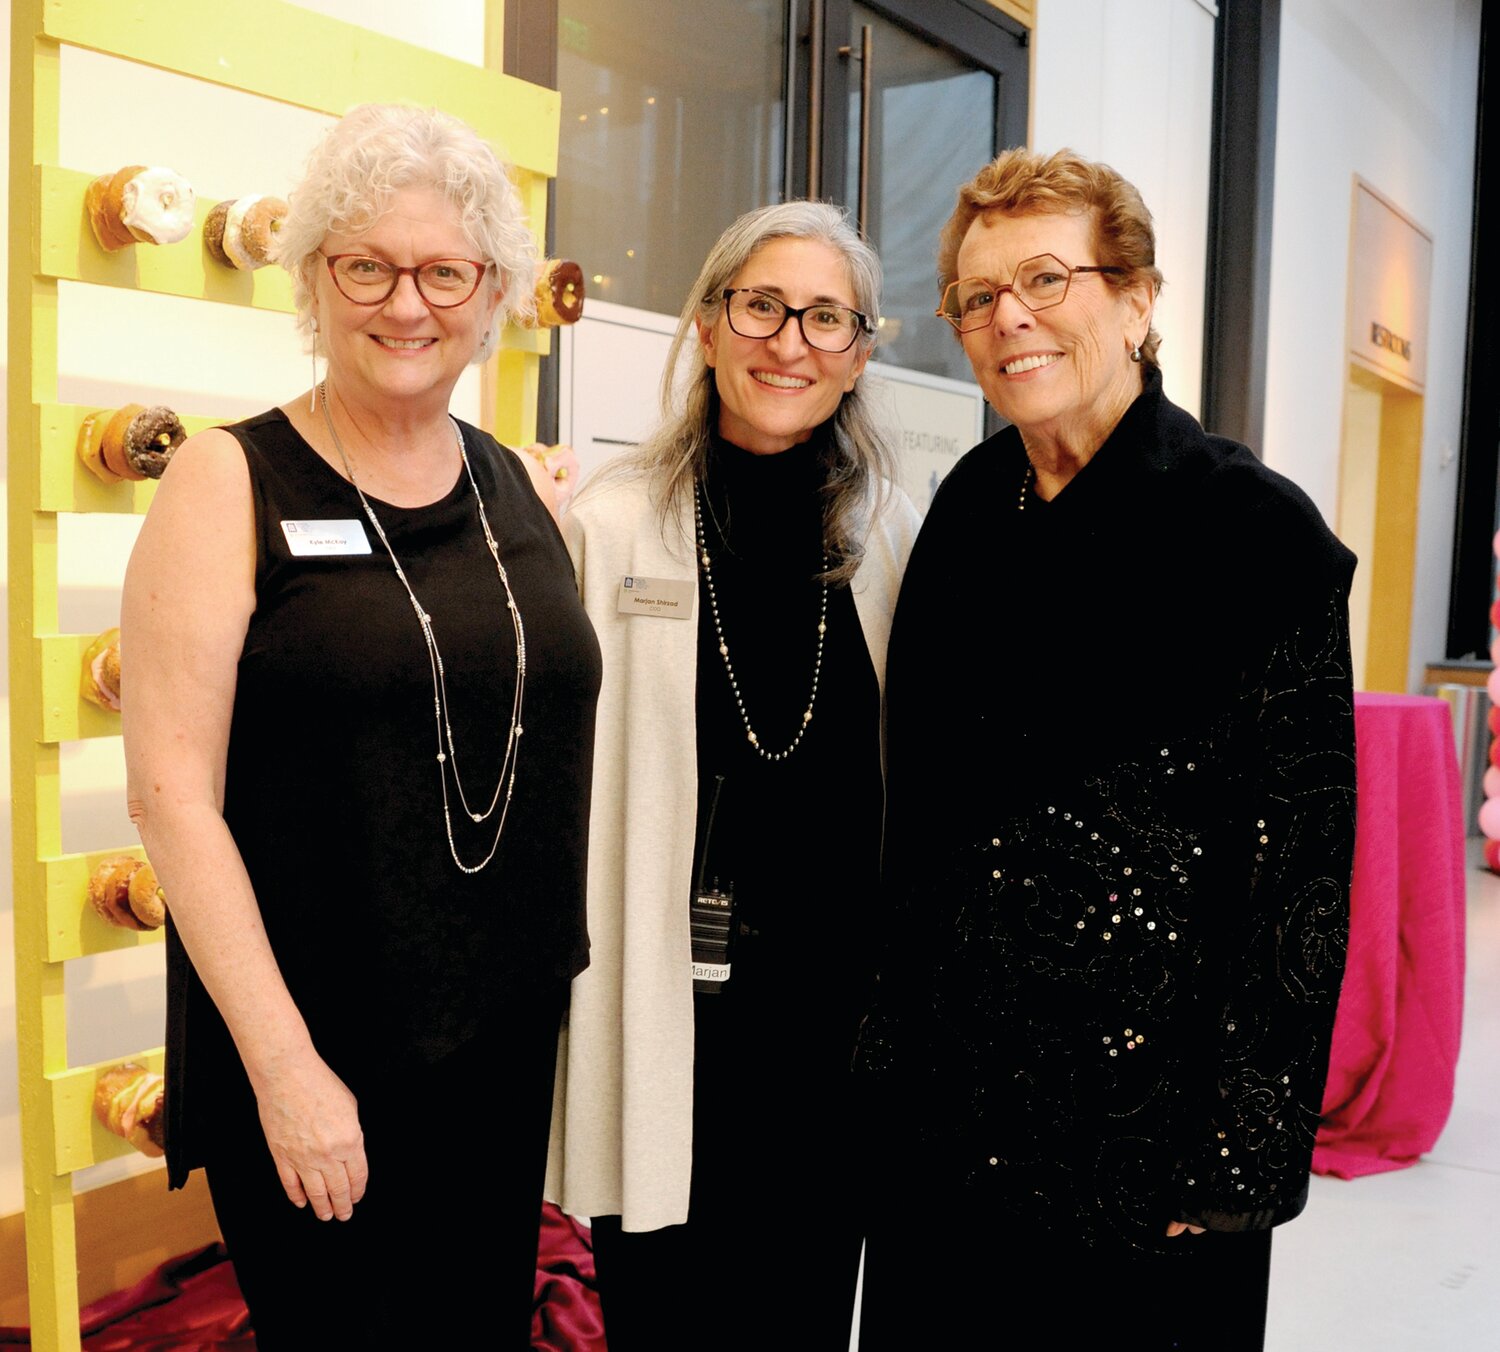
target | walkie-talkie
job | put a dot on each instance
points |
(711, 914)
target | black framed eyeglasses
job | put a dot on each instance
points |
(753, 313)
(1039, 283)
(443, 283)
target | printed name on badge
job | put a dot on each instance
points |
(309, 539)
(665, 597)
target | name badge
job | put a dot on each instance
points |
(665, 597)
(310, 539)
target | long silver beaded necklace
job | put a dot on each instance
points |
(447, 752)
(734, 685)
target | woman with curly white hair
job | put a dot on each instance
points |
(342, 616)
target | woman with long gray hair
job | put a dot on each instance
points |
(741, 569)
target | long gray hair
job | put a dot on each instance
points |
(860, 462)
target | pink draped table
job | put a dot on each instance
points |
(1395, 1042)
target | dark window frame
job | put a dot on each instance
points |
(1478, 507)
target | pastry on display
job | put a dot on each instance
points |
(101, 671)
(147, 901)
(128, 1102)
(561, 462)
(125, 892)
(134, 442)
(239, 233)
(139, 205)
(559, 293)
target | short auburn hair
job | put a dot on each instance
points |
(1021, 182)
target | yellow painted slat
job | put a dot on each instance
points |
(41, 999)
(290, 54)
(79, 1139)
(66, 485)
(65, 715)
(73, 929)
(43, 327)
(511, 408)
(67, 249)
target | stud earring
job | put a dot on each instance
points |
(1135, 353)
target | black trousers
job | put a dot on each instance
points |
(769, 1256)
(454, 1148)
(945, 1278)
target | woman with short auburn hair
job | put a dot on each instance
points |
(1120, 853)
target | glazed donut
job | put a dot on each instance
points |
(101, 671)
(148, 903)
(109, 891)
(138, 204)
(128, 1102)
(240, 233)
(133, 442)
(559, 293)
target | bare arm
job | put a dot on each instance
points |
(189, 594)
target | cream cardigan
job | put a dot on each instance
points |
(622, 1119)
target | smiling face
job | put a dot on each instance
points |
(402, 353)
(1063, 372)
(774, 392)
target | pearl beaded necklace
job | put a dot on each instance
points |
(713, 605)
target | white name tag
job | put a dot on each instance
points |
(711, 971)
(668, 598)
(309, 538)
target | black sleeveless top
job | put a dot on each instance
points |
(334, 792)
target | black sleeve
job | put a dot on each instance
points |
(1246, 1164)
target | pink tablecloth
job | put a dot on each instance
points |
(1395, 1043)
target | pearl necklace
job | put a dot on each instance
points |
(446, 751)
(1025, 484)
(713, 605)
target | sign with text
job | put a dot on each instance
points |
(1390, 285)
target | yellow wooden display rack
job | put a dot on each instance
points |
(336, 66)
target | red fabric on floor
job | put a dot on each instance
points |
(567, 1317)
(1395, 1044)
(193, 1304)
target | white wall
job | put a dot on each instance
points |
(1133, 85)
(1384, 89)
(116, 346)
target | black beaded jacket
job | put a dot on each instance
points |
(1119, 839)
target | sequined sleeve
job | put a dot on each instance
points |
(1282, 956)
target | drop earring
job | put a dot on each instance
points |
(1135, 353)
(312, 399)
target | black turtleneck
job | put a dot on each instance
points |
(798, 838)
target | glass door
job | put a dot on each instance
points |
(915, 96)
